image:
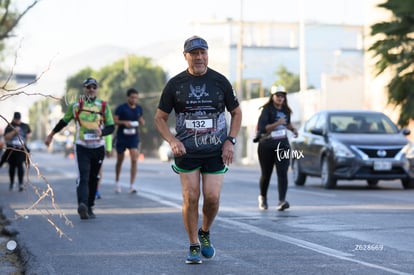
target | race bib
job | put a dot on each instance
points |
(202, 124)
(129, 131)
(278, 134)
(91, 136)
(134, 123)
(199, 123)
(16, 142)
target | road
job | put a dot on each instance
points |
(349, 230)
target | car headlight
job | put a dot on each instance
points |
(408, 150)
(340, 150)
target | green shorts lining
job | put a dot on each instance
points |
(178, 170)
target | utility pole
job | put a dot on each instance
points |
(239, 85)
(302, 48)
(303, 81)
(240, 65)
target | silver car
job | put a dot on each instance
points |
(352, 145)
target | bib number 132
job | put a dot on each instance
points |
(199, 124)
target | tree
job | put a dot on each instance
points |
(38, 114)
(289, 80)
(115, 79)
(10, 18)
(139, 73)
(74, 87)
(394, 50)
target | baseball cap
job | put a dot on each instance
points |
(17, 115)
(278, 89)
(195, 42)
(90, 81)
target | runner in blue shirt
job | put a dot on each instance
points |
(128, 116)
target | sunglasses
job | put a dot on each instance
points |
(90, 87)
(280, 95)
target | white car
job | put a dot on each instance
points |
(165, 152)
(37, 145)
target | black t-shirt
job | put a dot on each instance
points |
(270, 115)
(199, 103)
(15, 141)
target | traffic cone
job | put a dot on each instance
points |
(141, 157)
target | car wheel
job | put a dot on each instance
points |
(408, 183)
(328, 180)
(372, 183)
(299, 178)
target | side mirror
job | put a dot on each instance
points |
(405, 131)
(317, 131)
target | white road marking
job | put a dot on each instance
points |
(280, 237)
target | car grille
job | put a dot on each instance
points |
(386, 152)
(368, 172)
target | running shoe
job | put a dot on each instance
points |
(132, 190)
(283, 205)
(207, 249)
(83, 211)
(117, 187)
(262, 202)
(194, 255)
(91, 214)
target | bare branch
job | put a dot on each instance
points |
(46, 195)
(11, 92)
(10, 25)
(43, 195)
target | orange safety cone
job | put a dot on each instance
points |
(141, 157)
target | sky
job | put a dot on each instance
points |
(62, 29)
(56, 29)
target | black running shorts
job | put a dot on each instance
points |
(209, 165)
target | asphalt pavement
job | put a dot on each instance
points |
(352, 230)
(132, 234)
(57, 246)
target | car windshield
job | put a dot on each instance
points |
(365, 123)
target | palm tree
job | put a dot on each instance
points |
(394, 51)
